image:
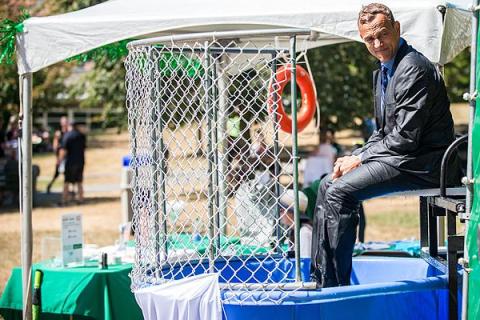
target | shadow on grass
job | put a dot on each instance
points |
(53, 200)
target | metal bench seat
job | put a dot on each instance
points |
(435, 192)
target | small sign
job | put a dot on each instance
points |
(72, 238)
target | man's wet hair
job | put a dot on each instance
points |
(368, 13)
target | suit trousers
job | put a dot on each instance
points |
(336, 216)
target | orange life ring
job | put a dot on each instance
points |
(306, 109)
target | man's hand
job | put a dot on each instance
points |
(349, 163)
(344, 165)
(337, 173)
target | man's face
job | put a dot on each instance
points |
(381, 37)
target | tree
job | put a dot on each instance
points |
(48, 84)
(103, 86)
(9, 98)
(342, 73)
(457, 76)
(343, 78)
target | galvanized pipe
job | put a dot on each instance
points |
(276, 152)
(220, 50)
(163, 162)
(159, 216)
(26, 192)
(293, 92)
(287, 286)
(215, 138)
(222, 161)
(210, 156)
(221, 35)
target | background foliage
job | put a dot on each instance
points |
(343, 77)
(342, 73)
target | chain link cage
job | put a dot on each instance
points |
(210, 164)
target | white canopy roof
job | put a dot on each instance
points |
(48, 40)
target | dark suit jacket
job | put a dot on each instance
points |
(416, 126)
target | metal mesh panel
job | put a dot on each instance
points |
(209, 163)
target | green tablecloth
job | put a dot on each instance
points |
(84, 292)
(185, 241)
(201, 245)
(92, 293)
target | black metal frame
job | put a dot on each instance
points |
(432, 207)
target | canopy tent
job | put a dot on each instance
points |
(439, 34)
(47, 40)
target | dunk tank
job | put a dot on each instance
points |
(214, 122)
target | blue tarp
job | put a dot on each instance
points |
(382, 288)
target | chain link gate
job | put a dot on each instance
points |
(210, 163)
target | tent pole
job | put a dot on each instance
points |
(26, 190)
(296, 209)
(469, 180)
(221, 118)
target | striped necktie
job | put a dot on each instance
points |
(384, 84)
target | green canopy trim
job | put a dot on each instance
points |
(179, 63)
(8, 33)
(168, 63)
(113, 51)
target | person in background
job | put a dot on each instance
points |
(320, 161)
(12, 128)
(325, 147)
(57, 140)
(261, 157)
(368, 128)
(11, 143)
(72, 151)
(287, 201)
(258, 146)
(330, 137)
(2, 138)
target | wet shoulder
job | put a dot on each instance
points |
(414, 61)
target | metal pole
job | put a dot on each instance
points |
(26, 192)
(163, 162)
(222, 165)
(155, 167)
(219, 49)
(441, 219)
(135, 186)
(154, 194)
(216, 136)
(224, 35)
(210, 156)
(469, 195)
(276, 152)
(293, 84)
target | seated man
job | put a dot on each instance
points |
(414, 128)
